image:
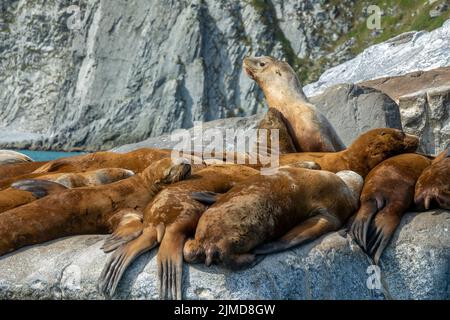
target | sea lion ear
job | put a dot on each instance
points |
(205, 197)
(39, 188)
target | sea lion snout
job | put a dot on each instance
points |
(411, 142)
(177, 172)
(193, 252)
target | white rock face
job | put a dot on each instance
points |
(414, 266)
(405, 53)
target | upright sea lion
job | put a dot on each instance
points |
(85, 210)
(309, 128)
(26, 191)
(289, 208)
(388, 192)
(367, 151)
(169, 219)
(10, 157)
(433, 186)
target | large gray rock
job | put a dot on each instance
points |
(408, 52)
(414, 266)
(353, 110)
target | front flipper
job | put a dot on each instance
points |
(39, 188)
(206, 197)
(170, 265)
(306, 231)
(120, 259)
(127, 225)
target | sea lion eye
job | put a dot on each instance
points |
(262, 64)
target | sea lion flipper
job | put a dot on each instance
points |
(128, 226)
(39, 188)
(120, 259)
(308, 230)
(361, 222)
(170, 265)
(205, 197)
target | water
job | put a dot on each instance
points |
(48, 155)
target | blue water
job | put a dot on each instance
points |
(48, 155)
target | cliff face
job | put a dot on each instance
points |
(121, 71)
(97, 74)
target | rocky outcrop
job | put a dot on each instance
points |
(423, 98)
(403, 54)
(415, 266)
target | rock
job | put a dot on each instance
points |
(423, 98)
(353, 110)
(408, 52)
(414, 266)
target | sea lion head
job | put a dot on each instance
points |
(168, 170)
(275, 77)
(379, 144)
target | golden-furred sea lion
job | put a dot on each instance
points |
(169, 219)
(367, 151)
(270, 213)
(309, 128)
(433, 186)
(8, 171)
(85, 210)
(28, 190)
(10, 157)
(387, 193)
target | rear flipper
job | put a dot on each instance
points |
(127, 225)
(363, 218)
(306, 231)
(206, 197)
(381, 230)
(39, 188)
(170, 265)
(429, 198)
(119, 261)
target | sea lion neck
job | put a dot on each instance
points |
(285, 96)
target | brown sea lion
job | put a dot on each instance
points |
(169, 219)
(433, 186)
(136, 161)
(26, 191)
(367, 151)
(10, 157)
(273, 213)
(85, 210)
(274, 120)
(388, 192)
(309, 129)
(17, 169)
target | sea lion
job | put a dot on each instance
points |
(10, 157)
(135, 161)
(433, 186)
(26, 191)
(367, 151)
(169, 219)
(388, 192)
(288, 208)
(8, 171)
(85, 210)
(309, 129)
(274, 120)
